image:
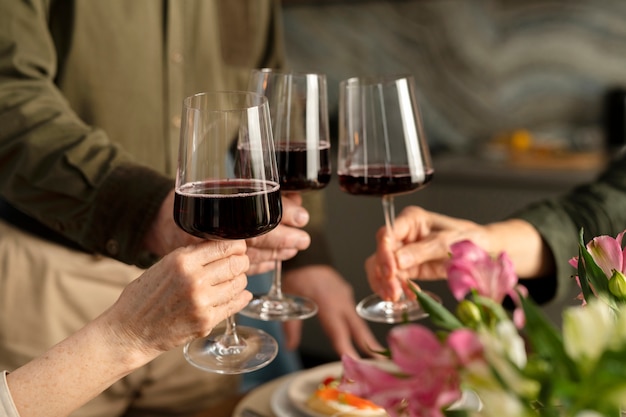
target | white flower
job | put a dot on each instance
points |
(512, 343)
(587, 331)
(619, 330)
(505, 353)
(588, 413)
(499, 403)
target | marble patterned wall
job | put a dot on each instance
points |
(481, 66)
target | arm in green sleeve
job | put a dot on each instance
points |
(53, 167)
(599, 208)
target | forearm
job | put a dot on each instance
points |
(72, 372)
(524, 245)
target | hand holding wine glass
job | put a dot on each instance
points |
(299, 113)
(382, 152)
(227, 188)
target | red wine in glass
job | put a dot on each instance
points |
(380, 180)
(228, 209)
(298, 170)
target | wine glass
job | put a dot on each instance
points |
(227, 188)
(382, 152)
(299, 113)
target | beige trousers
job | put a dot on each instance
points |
(48, 292)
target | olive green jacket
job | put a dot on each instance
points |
(599, 208)
(90, 101)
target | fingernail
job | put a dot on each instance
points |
(302, 217)
(303, 243)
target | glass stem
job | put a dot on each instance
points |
(390, 213)
(390, 217)
(230, 339)
(275, 292)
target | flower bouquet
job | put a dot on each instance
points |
(519, 363)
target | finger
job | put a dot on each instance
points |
(259, 256)
(208, 251)
(261, 267)
(381, 267)
(293, 213)
(429, 271)
(385, 288)
(294, 197)
(224, 270)
(238, 303)
(221, 291)
(407, 288)
(364, 338)
(385, 254)
(428, 250)
(227, 296)
(281, 238)
(371, 348)
(220, 302)
(340, 337)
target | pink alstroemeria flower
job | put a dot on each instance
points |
(607, 253)
(467, 346)
(427, 378)
(472, 268)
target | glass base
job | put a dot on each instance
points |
(373, 308)
(289, 307)
(253, 350)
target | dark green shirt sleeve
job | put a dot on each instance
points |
(599, 208)
(55, 168)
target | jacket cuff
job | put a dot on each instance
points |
(561, 236)
(125, 208)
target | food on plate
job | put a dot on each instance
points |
(328, 400)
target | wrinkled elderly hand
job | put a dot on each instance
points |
(182, 297)
(418, 249)
(281, 243)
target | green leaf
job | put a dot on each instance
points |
(437, 313)
(582, 275)
(546, 341)
(496, 308)
(456, 413)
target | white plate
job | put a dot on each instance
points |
(302, 385)
(306, 382)
(281, 405)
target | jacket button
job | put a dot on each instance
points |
(177, 58)
(112, 247)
